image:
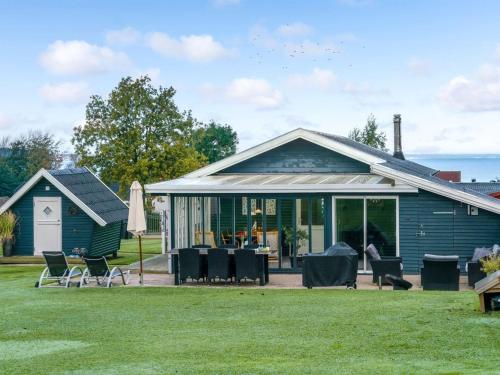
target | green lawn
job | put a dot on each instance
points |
(240, 331)
(129, 253)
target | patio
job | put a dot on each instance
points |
(155, 275)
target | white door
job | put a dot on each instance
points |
(48, 228)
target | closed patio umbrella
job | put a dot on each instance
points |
(137, 219)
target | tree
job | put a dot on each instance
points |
(370, 135)
(215, 141)
(137, 133)
(22, 157)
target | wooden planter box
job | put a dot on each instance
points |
(487, 288)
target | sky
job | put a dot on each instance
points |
(263, 67)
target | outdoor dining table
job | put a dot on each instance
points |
(262, 257)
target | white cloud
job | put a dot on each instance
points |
(127, 35)
(80, 57)
(223, 3)
(294, 29)
(254, 92)
(195, 48)
(471, 95)
(65, 93)
(420, 67)
(481, 93)
(5, 120)
(323, 79)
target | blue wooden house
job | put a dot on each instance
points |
(304, 191)
(68, 210)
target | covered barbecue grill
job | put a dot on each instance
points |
(337, 265)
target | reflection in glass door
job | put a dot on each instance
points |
(349, 226)
(362, 221)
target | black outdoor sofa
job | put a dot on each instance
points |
(440, 272)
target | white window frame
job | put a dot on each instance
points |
(364, 198)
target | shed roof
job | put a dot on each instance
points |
(93, 193)
(84, 189)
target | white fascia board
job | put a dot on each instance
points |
(269, 189)
(281, 140)
(37, 177)
(432, 187)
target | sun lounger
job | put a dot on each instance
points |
(98, 270)
(57, 269)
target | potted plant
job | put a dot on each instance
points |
(7, 225)
(491, 264)
(289, 236)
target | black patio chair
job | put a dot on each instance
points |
(383, 265)
(201, 246)
(440, 272)
(247, 265)
(220, 265)
(474, 272)
(57, 269)
(192, 265)
(98, 270)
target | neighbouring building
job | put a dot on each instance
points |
(68, 210)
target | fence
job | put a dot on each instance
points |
(153, 223)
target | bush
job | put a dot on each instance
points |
(491, 264)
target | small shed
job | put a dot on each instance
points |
(69, 210)
(487, 288)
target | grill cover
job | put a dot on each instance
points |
(337, 265)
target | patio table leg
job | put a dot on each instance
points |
(262, 278)
(266, 267)
(175, 268)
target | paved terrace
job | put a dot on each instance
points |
(155, 275)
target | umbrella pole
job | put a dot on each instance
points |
(141, 277)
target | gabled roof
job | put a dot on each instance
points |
(84, 189)
(381, 163)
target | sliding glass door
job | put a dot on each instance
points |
(349, 226)
(360, 221)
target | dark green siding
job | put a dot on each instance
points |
(299, 156)
(447, 227)
(77, 228)
(106, 239)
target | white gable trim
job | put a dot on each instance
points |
(439, 189)
(281, 140)
(42, 173)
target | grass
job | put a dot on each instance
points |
(240, 331)
(128, 253)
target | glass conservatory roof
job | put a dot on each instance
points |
(279, 183)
